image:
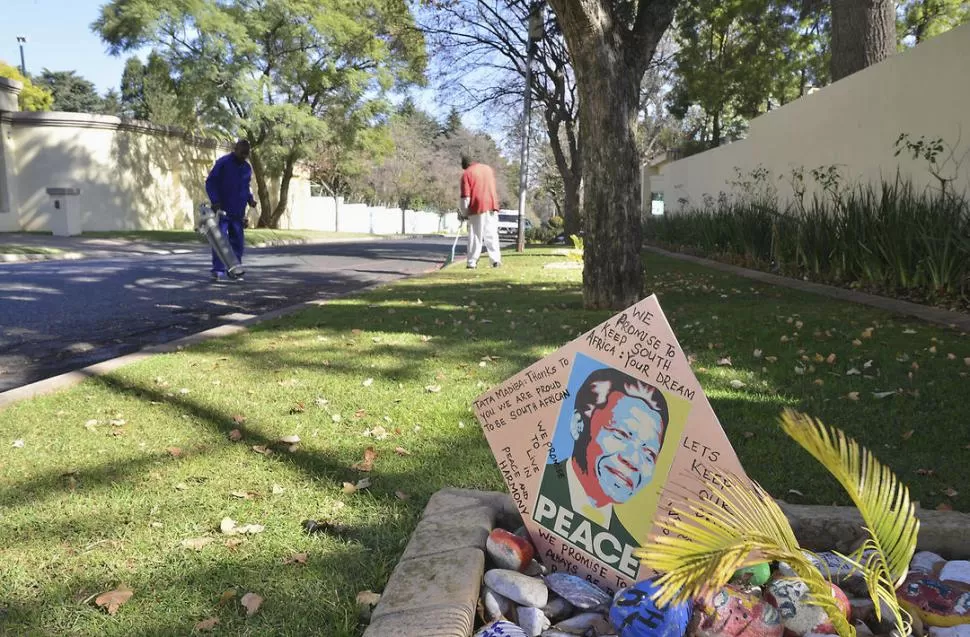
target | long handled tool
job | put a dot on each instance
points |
(208, 227)
(451, 259)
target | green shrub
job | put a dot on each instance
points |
(539, 234)
(894, 238)
(556, 223)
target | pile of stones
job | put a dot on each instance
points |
(520, 598)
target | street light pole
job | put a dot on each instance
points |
(21, 40)
(535, 34)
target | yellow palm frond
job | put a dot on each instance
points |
(701, 548)
(883, 502)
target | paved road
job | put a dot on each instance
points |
(56, 316)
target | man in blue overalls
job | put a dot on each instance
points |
(228, 188)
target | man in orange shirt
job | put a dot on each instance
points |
(479, 204)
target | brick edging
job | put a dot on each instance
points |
(947, 318)
(434, 589)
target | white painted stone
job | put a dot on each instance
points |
(532, 621)
(956, 571)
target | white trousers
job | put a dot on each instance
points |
(483, 229)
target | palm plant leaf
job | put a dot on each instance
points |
(701, 548)
(883, 502)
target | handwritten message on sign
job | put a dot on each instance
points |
(600, 440)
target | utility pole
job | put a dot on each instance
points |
(21, 40)
(535, 34)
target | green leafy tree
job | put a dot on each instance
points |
(739, 58)
(32, 97)
(72, 93)
(282, 73)
(918, 20)
(111, 103)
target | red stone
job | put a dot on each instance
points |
(790, 596)
(509, 550)
(733, 612)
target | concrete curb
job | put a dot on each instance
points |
(946, 318)
(69, 379)
(75, 255)
(434, 589)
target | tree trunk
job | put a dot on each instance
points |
(571, 212)
(610, 95)
(287, 175)
(262, 192)
(863, 33)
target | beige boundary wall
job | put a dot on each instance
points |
(853, 123)
(132, 175)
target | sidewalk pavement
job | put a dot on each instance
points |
(81, 247)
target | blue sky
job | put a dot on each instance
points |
(59, 38)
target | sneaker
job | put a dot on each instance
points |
(217, 276)
(472, 266)
(497, 264)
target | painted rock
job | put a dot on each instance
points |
(585, 623)
(936, 603)
(956, 572)
(927, 563)
(790, 596)
(839, 570)
(577, 591)
(732, 612)
(755, 575)
(534, 569)
(961, 630)
(509, 550)
(557, 608)
(520, 588)
(532, 621)
(634, 613)
(496, 606)
(500, 629)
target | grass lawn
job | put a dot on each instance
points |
(8, 248)
(114, 475)
(253, 235)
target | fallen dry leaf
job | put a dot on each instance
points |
(235, 435)
(933, 349)
(336, 418)
(368, 382)
(368, 598)
(401, 451)
(830, 359)
(909, 434)
(748, 434)
(206, 625)
(262, 449)
(853, 395)
(882, 394)
(401, 495)
(800, 371)
(360, 413)
(724, 362)
(433, 389)
(175, 452)
(234, 542)
(856, 342)
(736, 384)
(950, 492)
(757, 353)
(951, 356)
(867, 333)
(181, 486)
(349, 488)
(251, 602)
(112, 600)
(277, 489)
(944, 506)
(796, 492)
(296, 558)
(367, 464)
(197, 543)
(818, 381)
(784, 339)
(925, 472)
(290, 440)
(298, 408)
(356, 332)
(18, 444)
(966, 361)
(853, 372)
(239, 419)
(226, 597)
(771, 359)
(243, 495)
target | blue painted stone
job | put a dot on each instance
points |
(576, 590)
(634, 614)
(500, 629)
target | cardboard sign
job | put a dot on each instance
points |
(597, 441)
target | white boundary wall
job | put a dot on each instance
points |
(853, 123)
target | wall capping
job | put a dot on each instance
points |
(11, 84)
(104, 122)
